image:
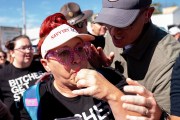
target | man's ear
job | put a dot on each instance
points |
(148, 14)
(45, 65)
(85, 21)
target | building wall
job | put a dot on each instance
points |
(177, 17)
(162, 20)
(8, 33)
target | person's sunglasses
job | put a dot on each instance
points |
(65, 55)
(79, 25)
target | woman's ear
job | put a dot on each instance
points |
(45, 65)
(12, 56)
(12, 53)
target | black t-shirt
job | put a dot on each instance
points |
(14, 81)
(4, 113)
(54, 105)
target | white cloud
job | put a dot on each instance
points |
(32, 20)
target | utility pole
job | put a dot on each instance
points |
(24, 16)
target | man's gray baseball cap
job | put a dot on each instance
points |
(120, 13)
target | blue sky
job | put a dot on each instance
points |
(38, 10)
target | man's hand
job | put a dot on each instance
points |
(142, 102)
(98, 57)
(92, 83)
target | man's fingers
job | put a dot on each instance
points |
(132, 82)
(93, 48)
(111, 56)
(139, 109)
(136, 100)
(79, 92)
(102, 54)
(135, 88)
(128, 117)
(99, 55)
(81, 83)
(106, 59)
(84, 91)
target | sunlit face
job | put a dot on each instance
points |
(64, 72)
(22, 53)
(122, 37)
(177, 36)
(98, 29)
(2, 58)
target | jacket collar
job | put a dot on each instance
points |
(142, 44)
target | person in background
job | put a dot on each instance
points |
(149, 53)
(98, 29)
(36, 54)
(3, 60)
(75, 90)
(2, 57)
(79, 19)
(175, 31)
(19, 75)
(95, 28)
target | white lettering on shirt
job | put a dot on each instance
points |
(19, 85)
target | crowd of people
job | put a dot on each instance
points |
(74, 80)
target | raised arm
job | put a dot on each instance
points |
(96, 85)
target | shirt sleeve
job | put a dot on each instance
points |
(113, 76)
(175, 89)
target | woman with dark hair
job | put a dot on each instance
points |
(19, 75)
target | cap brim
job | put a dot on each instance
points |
(84, 37)
(117, 17)
(55, 44)
(87, 14)
(59, 36)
